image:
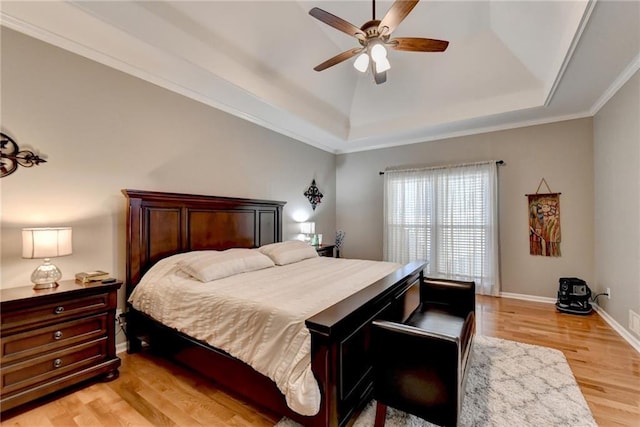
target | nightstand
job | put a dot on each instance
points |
(325, 250)
(54, 338)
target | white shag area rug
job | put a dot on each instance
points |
(509, 384)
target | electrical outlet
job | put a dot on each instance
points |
(634, 322)
(608, 293)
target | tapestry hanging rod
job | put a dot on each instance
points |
(498, 162)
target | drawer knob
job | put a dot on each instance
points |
(57, 363)
(59, 309)
(57, 335)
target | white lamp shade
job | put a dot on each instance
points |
(308, 227)
(46, 242)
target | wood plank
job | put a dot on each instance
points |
(156, 392)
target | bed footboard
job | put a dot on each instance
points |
(340, 338)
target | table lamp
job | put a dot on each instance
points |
(308, 229)
(46, 243)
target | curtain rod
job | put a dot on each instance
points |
(498, 162)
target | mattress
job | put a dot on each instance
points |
(258, 316)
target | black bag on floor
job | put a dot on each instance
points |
(573, 296)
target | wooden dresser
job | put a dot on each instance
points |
(54, 338)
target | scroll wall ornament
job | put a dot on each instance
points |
(544, 222)
(11, 156)
(313, 194)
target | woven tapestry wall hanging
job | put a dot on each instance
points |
(544, 222)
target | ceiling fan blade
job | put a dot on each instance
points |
(337, 23)
(338, 59)
(399, 10)
(417, 44)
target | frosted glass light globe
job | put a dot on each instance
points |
(382, 65)
(362, 62)
(378, 53)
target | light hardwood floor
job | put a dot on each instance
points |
(155, 392)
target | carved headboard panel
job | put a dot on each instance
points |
(162, 224)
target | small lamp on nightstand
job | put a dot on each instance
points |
(308, 229)
(46, 243)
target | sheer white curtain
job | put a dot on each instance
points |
(448, 216)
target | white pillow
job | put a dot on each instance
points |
(211, 265)
(284, 253)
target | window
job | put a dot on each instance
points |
(447, 216)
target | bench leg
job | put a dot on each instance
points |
(381, 414)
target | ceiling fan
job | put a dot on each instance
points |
(374, 37)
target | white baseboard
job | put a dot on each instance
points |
(626, 335)
(527, 297)
(121, 347)
(633, 341)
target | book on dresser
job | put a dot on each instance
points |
(92, 276)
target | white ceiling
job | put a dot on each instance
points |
(509, 63)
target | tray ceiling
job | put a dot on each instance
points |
(509, 63)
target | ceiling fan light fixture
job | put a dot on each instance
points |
(362, 62)
(378, 53)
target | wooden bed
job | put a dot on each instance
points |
(162, 224)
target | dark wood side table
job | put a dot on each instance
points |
(54, 338)
(325, 250)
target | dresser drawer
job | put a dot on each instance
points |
(40, 340)
(60, 310)
(47, 367)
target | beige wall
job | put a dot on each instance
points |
(561, 152)
(102, 130)
(617, 201)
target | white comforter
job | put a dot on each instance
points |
(258, 317)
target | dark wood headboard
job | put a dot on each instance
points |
(163, 224)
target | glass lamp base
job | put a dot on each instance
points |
(45, 285)
(46, 276)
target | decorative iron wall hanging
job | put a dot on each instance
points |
(313, 194)
(11, 156)
(544, 222)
